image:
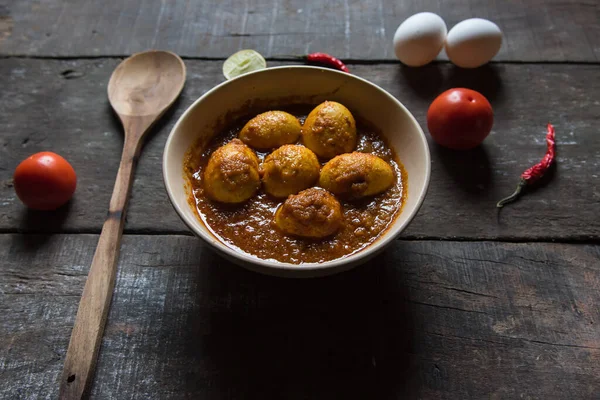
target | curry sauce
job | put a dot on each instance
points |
(249, 227)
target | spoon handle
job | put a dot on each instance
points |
(97, 293)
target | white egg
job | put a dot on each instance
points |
(473, 42)
(419, 39)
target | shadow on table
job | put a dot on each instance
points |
(345, 336)
(433, 79)
(485, 79)
(43, 223)
(470, 170)
(426, 82)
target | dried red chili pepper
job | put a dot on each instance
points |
(534, 173)
(326, 60)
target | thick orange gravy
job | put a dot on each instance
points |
(250, 228)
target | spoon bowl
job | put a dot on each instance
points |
(146, 83)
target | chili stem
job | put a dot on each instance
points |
(514, 196)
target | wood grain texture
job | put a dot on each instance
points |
(88, 330)
(71, 116)
(535, 30)
(426, 319)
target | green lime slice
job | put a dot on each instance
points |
(242, 62)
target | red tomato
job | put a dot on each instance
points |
(45, 181)
(460, 119)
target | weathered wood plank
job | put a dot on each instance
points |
(427, 319)
(42, 109)
(535, 30)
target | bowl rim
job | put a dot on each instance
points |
(355, 258)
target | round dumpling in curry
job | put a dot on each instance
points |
(271, 129)
(312, 213)
(231, 175)
(329, 130)
(356, 175)
(288, 170)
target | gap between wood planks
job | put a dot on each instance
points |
(143, 232)
(283, 58)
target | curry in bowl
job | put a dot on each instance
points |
(300, 184)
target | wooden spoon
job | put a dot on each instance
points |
(140, 90)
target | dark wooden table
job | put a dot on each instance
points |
(467, 303)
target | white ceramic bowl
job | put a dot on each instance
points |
(301, 85)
